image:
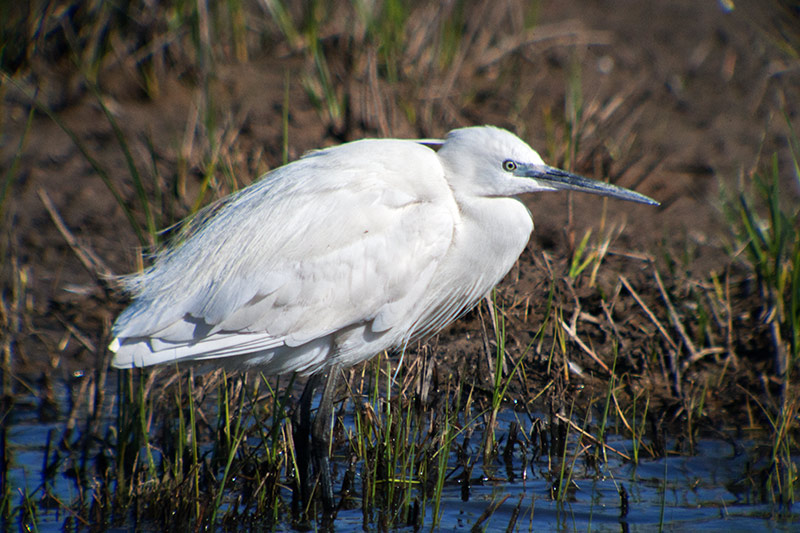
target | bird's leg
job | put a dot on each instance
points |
(320, 440)
(301, 422)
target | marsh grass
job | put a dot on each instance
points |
(403, 453)
(167, 459)
(771, 246)
(175, 462)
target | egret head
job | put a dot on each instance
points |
(489, 161)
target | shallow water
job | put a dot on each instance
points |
(706, 491)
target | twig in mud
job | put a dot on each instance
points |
(649, 313)
(90, 261)
(610, 319)
(77, 334)
(674, 351)
(714, 350)
(645, 258)
(574, 336)
(591, 437)
(488, 512)
(674, 315)
(567, 33)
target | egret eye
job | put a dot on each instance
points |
(509, 165)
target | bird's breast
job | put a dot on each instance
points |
(487, 241)
(492, 235)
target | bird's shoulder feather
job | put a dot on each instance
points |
(342, 237)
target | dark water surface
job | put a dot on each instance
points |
(706, 491)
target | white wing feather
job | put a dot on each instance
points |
(329, 256)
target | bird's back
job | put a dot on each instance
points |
(330, 256)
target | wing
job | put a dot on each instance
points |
(342, 238)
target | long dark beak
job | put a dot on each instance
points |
(562, 180)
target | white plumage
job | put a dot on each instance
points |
(342, 254)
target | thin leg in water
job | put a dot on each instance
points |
(320, 439)
(301, 422)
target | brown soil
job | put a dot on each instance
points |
(680, 101)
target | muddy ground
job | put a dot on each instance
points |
(681, 100)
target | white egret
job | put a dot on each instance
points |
(338, 256)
